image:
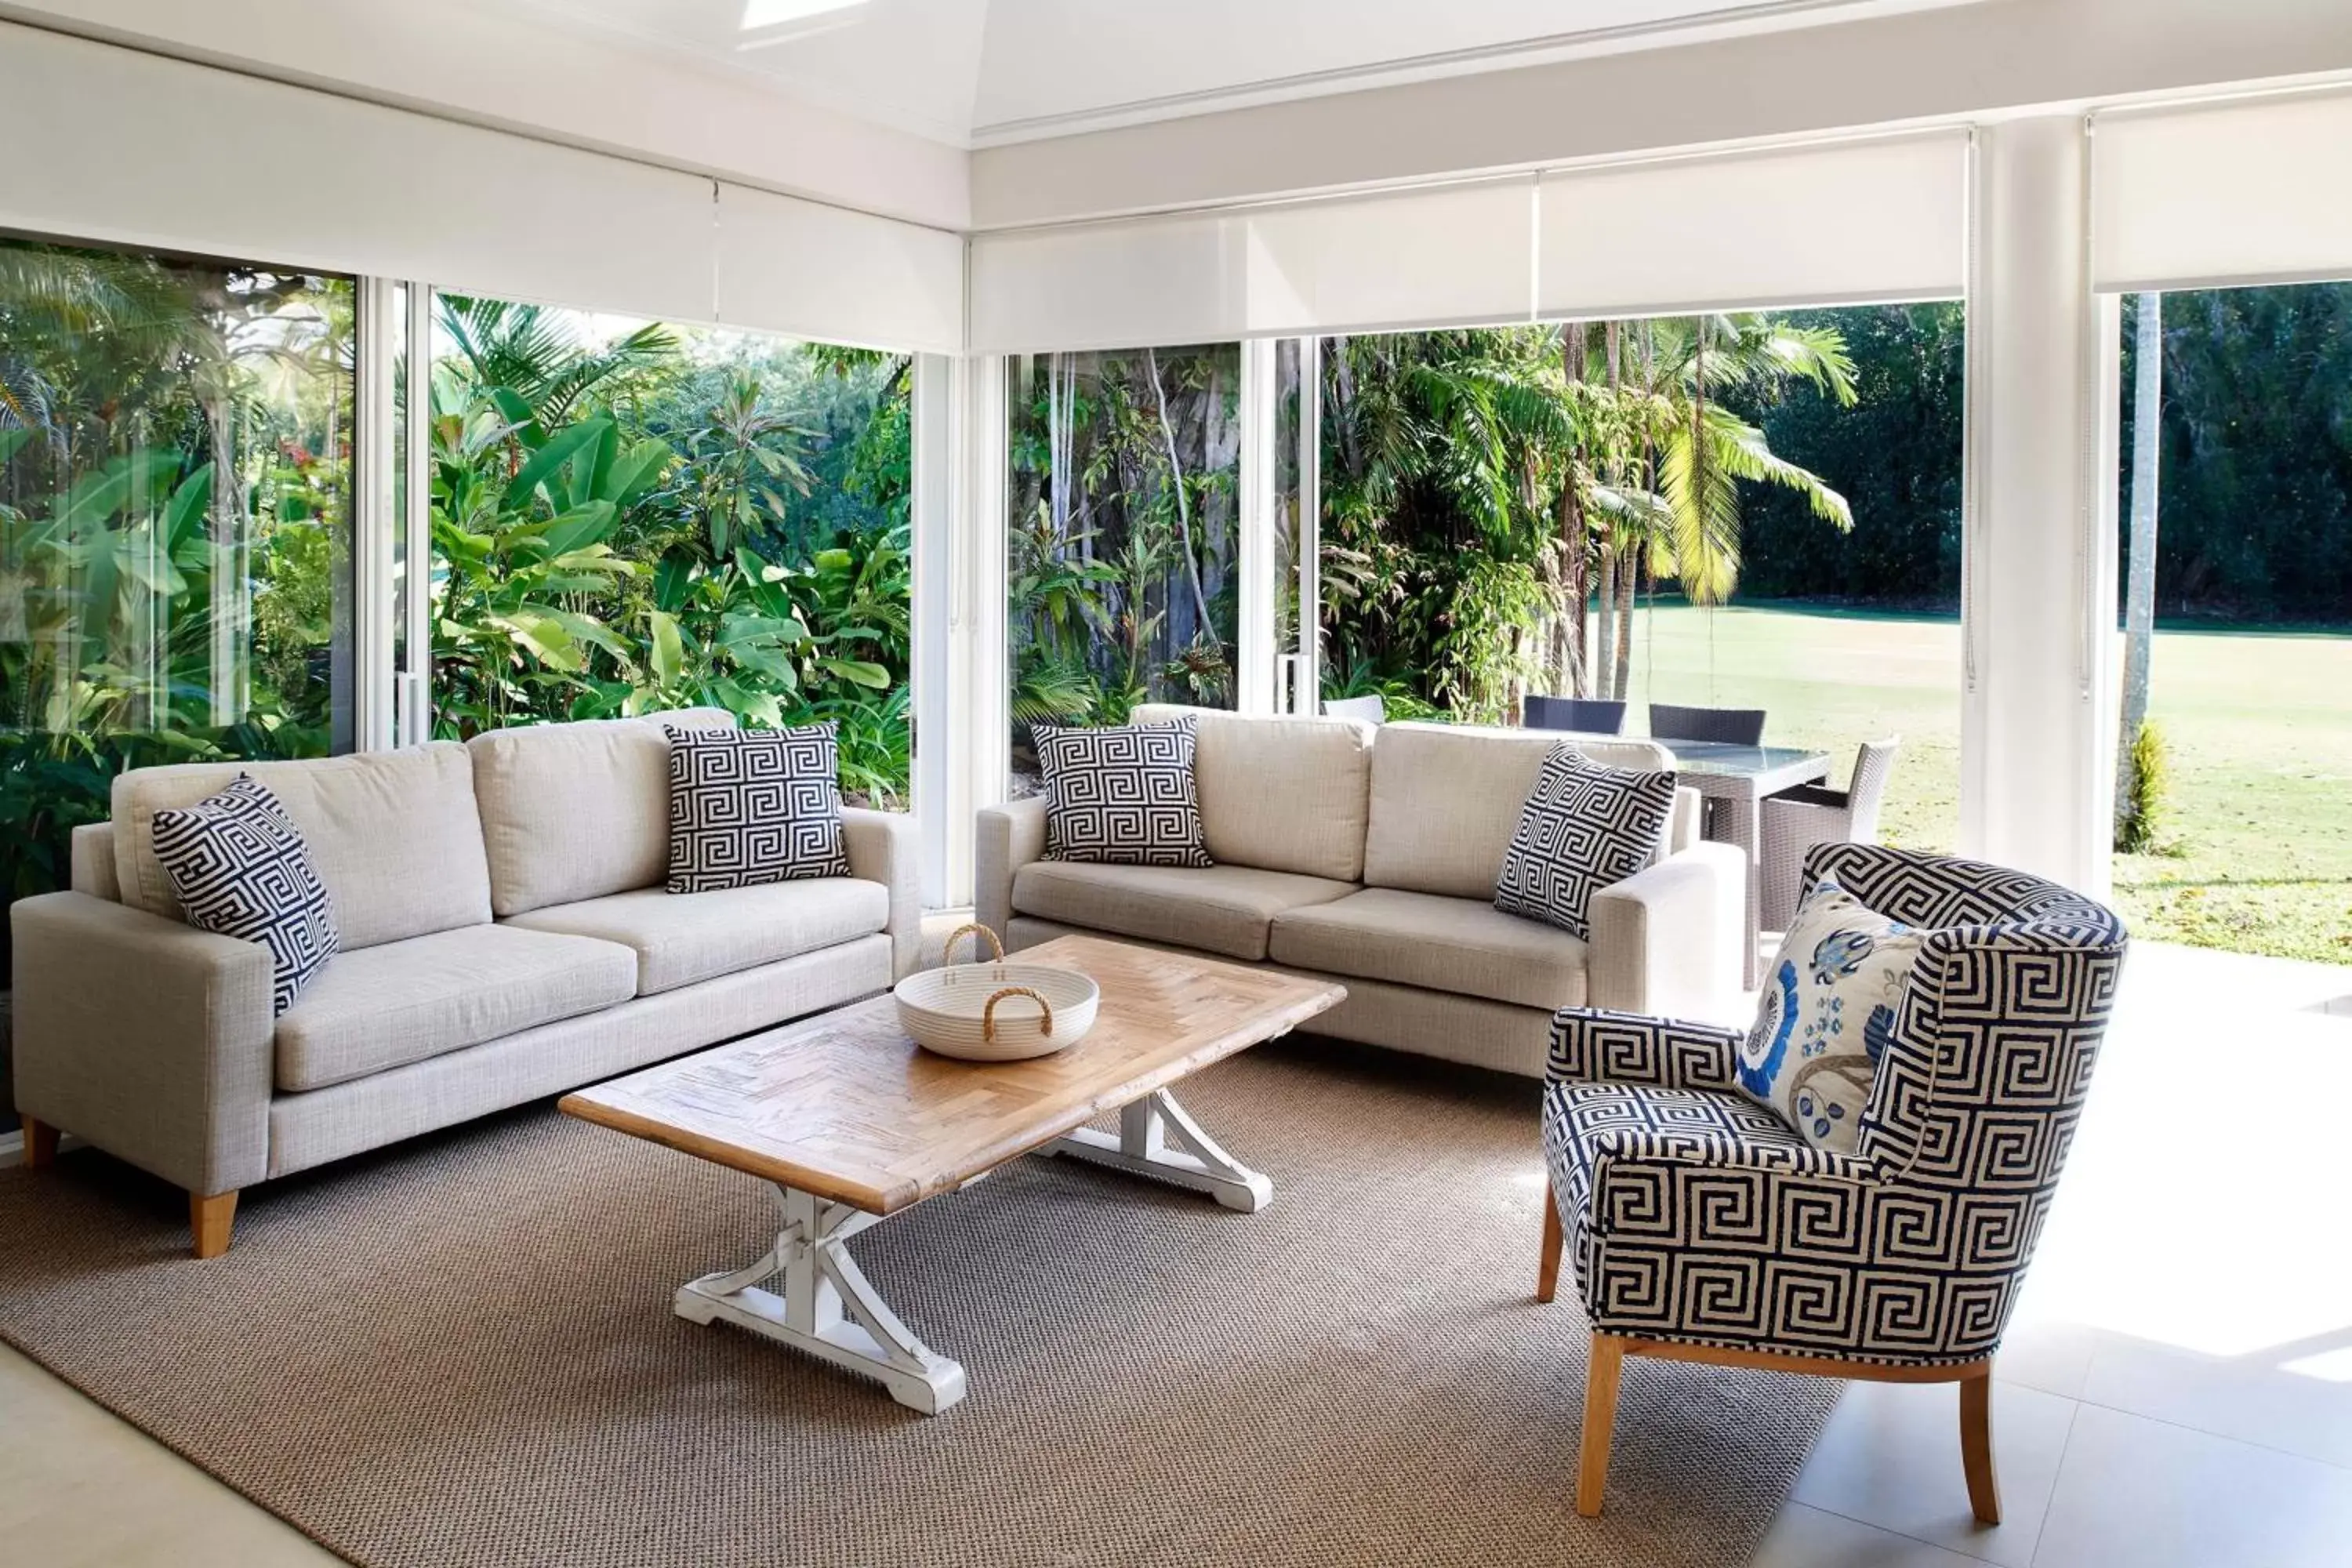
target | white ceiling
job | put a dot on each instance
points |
(982, 72)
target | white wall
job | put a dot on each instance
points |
(1972, 62)
(481, 64)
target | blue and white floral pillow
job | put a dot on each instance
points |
(1827, 1012)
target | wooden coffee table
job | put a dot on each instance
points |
(850, 1121)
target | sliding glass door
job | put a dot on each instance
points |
(1123, 481)
(175, 527)
(631, 515)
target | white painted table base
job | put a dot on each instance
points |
(1141, 1146)
(828, 1309)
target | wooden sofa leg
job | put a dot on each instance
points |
(1976, 1445)
(210, 1219)
(1600, 1373)
(1547, 1269)
(40, 1144)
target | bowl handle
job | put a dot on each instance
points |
(988, 1014)
(975, 931)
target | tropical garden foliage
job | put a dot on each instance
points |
(1122, 515)
(661, 520)
(175, 565)
(623, 519)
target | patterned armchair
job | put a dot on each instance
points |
(1700, 1227)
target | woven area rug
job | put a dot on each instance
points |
(460, 1352)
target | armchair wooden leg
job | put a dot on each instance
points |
(1547, 1270)
(40, 1144)
(1976, 1445)
(1600, 1373)
(210, 1218)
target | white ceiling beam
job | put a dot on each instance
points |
(2004, 58)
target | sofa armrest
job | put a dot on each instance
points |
(885, 847)
(1011, 836)
(1591, 1045)
(93, 862)
(147, 1037)
(1666, 940)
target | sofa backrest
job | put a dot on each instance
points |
(1445, 800)
(1279, 794)
(580, 810)
(395, 835)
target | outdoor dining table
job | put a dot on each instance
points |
(1735, 780)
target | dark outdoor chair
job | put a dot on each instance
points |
(1729, 726)
(1585, 716)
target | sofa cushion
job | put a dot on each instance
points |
(394, 835)
(1122, 795)
(1282, 794)
(1445, 800)
(402, 1002)
(1462, 945)
(1826, 1014)
(1584, 828)
(239, 869)
(681, 938)
(577, 811)
(1216, 909)
(752, 807)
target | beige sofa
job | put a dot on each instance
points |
(505, 937)
(1370, 855)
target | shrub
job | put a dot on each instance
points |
(2147, 804)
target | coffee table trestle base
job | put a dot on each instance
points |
(826, 1306)
(1141, 1146)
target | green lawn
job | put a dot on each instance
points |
(2258, 852)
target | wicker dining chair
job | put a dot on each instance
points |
(1701, 1229)
(1794, 820)
(1730, 726)
(1584, 715)
(1371, 709)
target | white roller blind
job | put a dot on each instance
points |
(162, 153)
(1444, 256)
(1168, 280)
(2226, 194)
(149, 151)
(787, 265)
(1448, 256)
(1836, 223)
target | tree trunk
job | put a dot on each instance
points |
(1629, 569)
(2139, 572)
(1176, 477)
(1575, 543)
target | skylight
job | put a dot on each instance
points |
(759, 14)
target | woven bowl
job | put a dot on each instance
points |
(996, 1011)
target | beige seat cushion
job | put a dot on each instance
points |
(1216, 909)
(1447, 799)
(401, 1002)
(1282, 794)
(1461, 945)
(680, 937)
(577, 811)
(395, 835)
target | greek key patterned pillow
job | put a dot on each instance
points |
(1827, 1012)
(750, 807)
(239, 867)
(1122, 795)
(1584, 826)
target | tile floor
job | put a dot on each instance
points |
(2177, 1390)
